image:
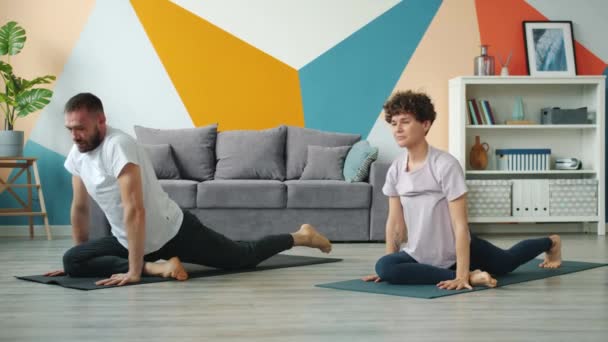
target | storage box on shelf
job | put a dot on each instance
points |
(582, 140)
(573, 197)
(489, 197)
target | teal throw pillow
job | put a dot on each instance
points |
(358, 161)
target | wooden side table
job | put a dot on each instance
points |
(25, 164)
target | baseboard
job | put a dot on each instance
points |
(478, 228)
(39, 232)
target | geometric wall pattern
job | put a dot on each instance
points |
(251, 65)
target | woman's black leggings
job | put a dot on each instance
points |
(194, 243)
(401, 268)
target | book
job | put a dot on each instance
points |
(491, 113)
(472, 112)
(478, 114)
(485, 105)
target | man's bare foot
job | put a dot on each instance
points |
(308, 236)
(480, 278)
(553, 257)
(171, 268)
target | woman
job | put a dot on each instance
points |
(428, 211)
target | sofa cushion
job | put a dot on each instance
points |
(325, 163)
(327, 194)
(251, 154)
(182, 191)
(299, 138)
(241, 193)
(193, 148)
(358, 161)
(162, 161)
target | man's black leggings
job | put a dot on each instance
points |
(194, 243)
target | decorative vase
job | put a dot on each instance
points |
(11, 143)
(484, 64)
(518, 109)
(478, 158)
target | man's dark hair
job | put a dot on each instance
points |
(409, 102)
(86, 101)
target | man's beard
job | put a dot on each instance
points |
(91, 143)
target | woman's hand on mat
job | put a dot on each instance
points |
(372, 277)
(120, 279)
(456, 284)
(54, 273)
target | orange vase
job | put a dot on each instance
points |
(478, 158)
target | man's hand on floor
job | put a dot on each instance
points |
(120, 279)
(54, 273)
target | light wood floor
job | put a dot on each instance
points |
(283, 305)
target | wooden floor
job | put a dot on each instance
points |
(283, 305)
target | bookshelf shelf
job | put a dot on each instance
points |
(513, 219)
(539, 127)
(548, 172)
(585, 142)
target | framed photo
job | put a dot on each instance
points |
(549, 48)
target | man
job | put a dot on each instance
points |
(147, 225)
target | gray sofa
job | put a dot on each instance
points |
(220, 183)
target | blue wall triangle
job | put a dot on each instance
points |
(344, 89)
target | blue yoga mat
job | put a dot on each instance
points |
(526, 272)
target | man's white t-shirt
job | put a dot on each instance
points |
(425, 193)
(99, 170)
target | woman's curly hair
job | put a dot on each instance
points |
(417, 104)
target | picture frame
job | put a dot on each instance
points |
(549, 48)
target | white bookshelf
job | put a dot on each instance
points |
(583, 141)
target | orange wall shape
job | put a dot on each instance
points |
(587, 63)
(219, 77)
(501, 26)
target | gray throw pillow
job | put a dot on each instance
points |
(193, 148)
(249, 154)
(298, 140)
(162, 161)
(325, 162)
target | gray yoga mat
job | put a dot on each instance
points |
(527, 272)
(277, 261)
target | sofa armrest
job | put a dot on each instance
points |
(98, 223)
(379, 207)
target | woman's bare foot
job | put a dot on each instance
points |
(308, 236)
(171, 268)
(553, 257)
(480, 278)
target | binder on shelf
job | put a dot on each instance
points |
(517, 188)
(526, 197)
(536, 189)
(544, 197)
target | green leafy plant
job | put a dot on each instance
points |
(19, 98)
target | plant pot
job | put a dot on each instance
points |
(11, 143)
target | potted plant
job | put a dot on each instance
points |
(19, 98)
